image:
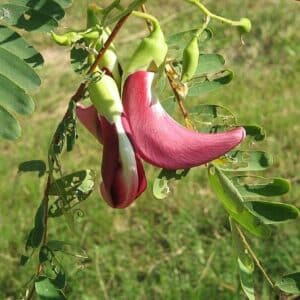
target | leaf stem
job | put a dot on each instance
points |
(144, 10)
(144, 16)
(256, 260)
(212, 15)
(203, 27)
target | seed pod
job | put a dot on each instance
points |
(190, 60)
(151, 52)
(104, 94)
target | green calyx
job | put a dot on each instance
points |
(190, 60)
(151, 52)
(105, 96)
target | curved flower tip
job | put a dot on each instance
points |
(88, 116)
(162, 141)
(122, 171)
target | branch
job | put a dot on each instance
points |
(75, 98)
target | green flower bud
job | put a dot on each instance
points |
(244, 25)
(151, 52)
(66, 39)
(190, 60)
(105, 95)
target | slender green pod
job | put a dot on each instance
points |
(150, 53)
(190, 60)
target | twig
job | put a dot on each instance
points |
(256, 260)
(144, 10)
(174, 87)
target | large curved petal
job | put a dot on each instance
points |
(122, 171)
(159, 139)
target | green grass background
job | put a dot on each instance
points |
(180, 247)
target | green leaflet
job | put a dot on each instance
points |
(247, 282)
(15, 98)
(260, 186)
(18, 58)
(160, 186)
(39, 15)
(255, 131)
(209, 63)
(46, 290)
(9, 127)
(234, 203)
(33, 166)
(273, 212)
(81, 180)
(211, 118)
(239, 247)
(289, 283)
(202, 87)
(70, 191)
(15, 44)
(16, 70)
(244, 161)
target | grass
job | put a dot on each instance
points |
(180, 247)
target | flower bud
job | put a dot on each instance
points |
(190, 60)
(66, 39)
(151, 52)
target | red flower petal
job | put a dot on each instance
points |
(88, 116)
(159, 139)
(122, 171)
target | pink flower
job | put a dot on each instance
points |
(144, 130)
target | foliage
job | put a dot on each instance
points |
(226, 175)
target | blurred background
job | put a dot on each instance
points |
(180, 247)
